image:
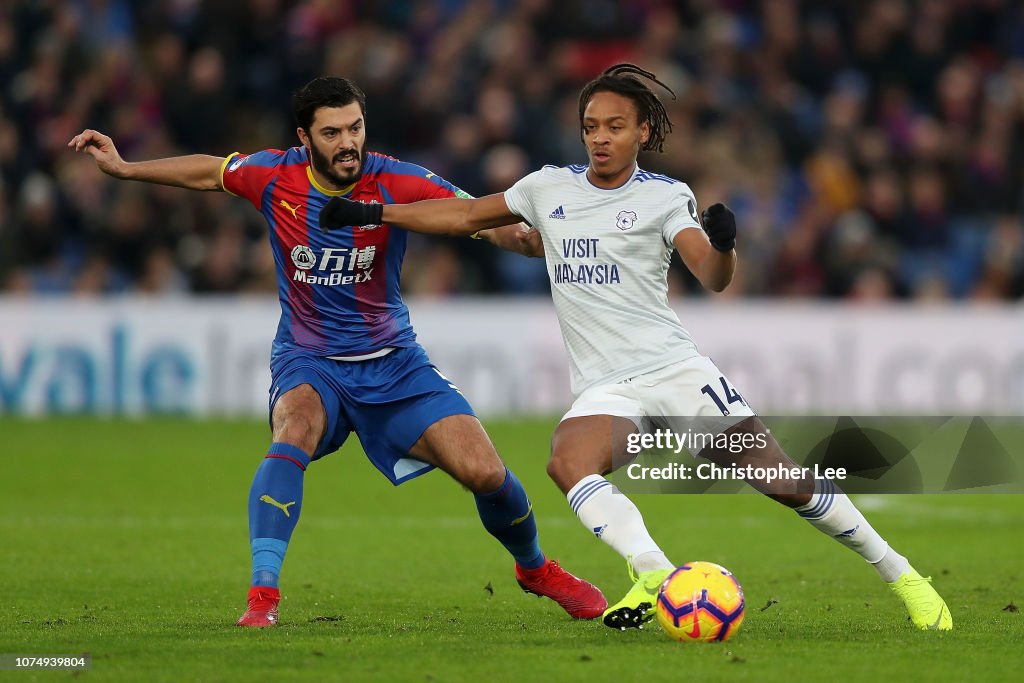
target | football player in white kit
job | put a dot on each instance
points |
(608, 229)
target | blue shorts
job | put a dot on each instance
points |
(388, 402)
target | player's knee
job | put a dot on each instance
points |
(555, 462)
(563, 471)
(299, 418)
(483, 475)
(554, 468)
(300, 430)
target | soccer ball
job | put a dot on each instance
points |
(700, 602)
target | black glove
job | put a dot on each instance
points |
(720, 225)
(340, 212)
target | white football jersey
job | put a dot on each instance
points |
(608, 255)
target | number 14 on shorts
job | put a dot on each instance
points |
(731, 395)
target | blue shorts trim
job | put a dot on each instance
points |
(388, 402)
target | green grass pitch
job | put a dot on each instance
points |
(129, 540)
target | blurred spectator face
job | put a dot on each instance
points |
(7, 41)
(444, 273)
(855, 241)
(872, 148)
(93, 278)
(38, 202)
(206, 71)
(870, 286)
(884, 195)
(129, 215)
(503, 166)
(957, 90)
(843, 111)
(506, 47)
(337, 143)
(931, 289)
(168, 56)
(222, 269)
(160, 274)
(1003, 258)
(8, 142)
(927, 139)
(926, 192)
(661, 30)
(462, 137)
(264, 10)
(927, 37)
(613, 134)
(497, 110)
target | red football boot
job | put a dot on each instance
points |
(262, 610)
(580, 599)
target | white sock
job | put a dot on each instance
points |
(614, 519)
(892, 566)
(831, 512)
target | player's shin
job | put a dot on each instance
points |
(833, 513)
(508, 515)
(275, 501)
(614, 519)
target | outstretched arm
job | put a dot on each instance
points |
(710, 254)
(521, 238)
(195, 171)
(451, 216)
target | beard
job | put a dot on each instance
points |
(325, 166)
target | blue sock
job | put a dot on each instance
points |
(275, 501)
(508, 515)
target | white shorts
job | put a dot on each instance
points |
(693, 388)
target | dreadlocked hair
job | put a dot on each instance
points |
(622, 79)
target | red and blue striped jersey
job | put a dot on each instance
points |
(340, 292)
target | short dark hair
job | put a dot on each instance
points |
(621, 79)
(325, 91)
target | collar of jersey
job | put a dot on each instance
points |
(586, 178)
(323, 190)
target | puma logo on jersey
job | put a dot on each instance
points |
(281, 506)
(291, 208)
(520, 520)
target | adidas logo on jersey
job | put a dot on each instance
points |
(557, 213)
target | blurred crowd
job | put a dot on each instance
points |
(871, 149)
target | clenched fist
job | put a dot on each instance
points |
(720, 226)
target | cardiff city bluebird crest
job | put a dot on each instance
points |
(625, 220)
